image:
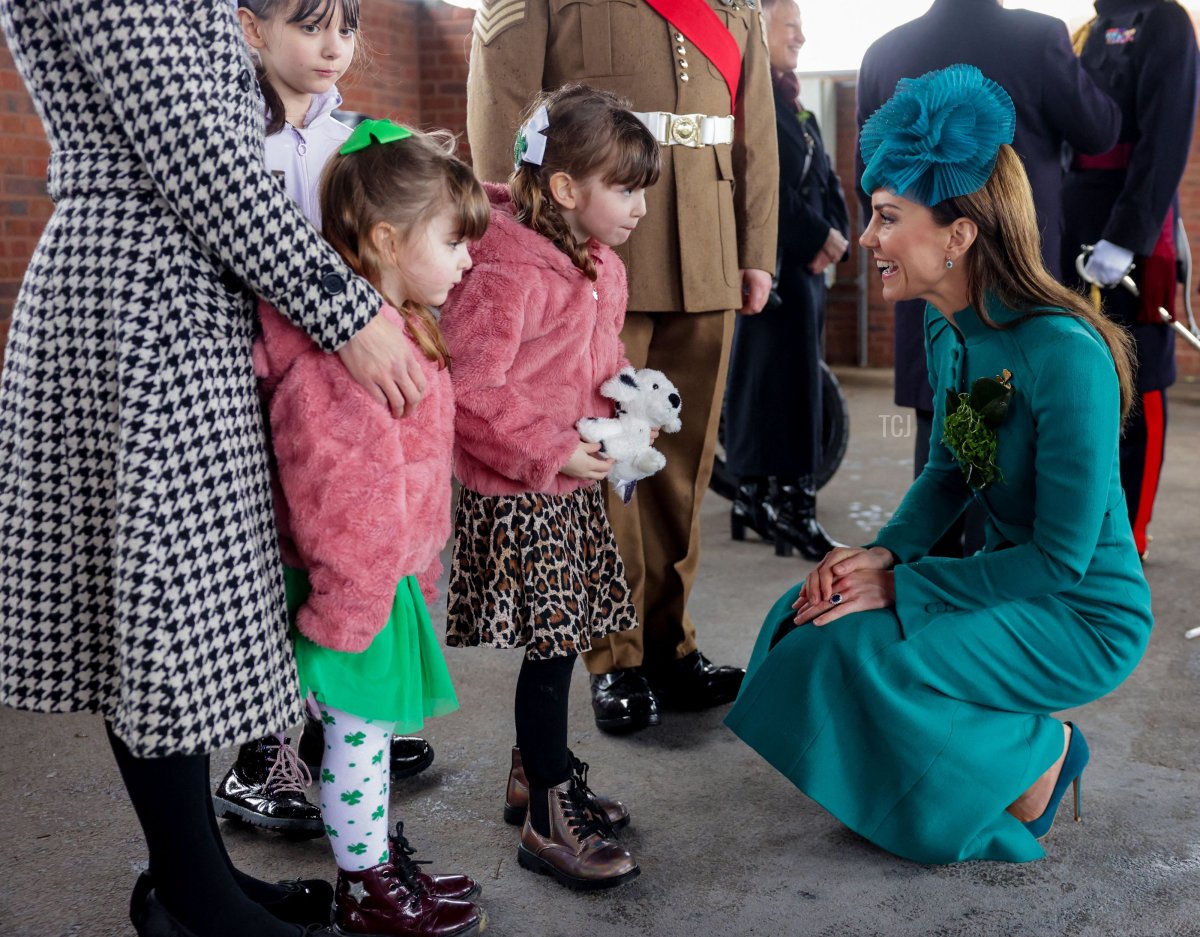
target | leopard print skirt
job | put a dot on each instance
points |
(536, 571)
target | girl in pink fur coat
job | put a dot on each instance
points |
(534, 331)
(363, 502)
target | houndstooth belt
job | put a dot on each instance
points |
(88, 172)
(687, 129)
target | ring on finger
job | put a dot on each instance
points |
(836, 599)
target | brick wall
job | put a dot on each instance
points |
(418, 73)
(445, 36)
(389, 84)
(24, 206)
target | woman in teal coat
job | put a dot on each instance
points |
(911, 696)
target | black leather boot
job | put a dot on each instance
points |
(694, 682)
(622, 701)
(410, 755)
(796, 524)
(265, 788)
(751, 509)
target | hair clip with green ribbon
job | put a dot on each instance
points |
(530, 146)
(374, 131)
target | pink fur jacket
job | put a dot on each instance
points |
(531, 341)
(362, 499)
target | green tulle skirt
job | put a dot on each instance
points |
(401, 678)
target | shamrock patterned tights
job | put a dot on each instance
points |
(354, 788)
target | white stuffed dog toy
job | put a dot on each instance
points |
(644, 399)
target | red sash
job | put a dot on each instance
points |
(700, 23)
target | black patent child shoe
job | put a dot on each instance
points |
(265, 788)
(623, 702)
(694, 682)
(410, 755)
(305, 902)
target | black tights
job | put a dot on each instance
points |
(193, 875)
(543, 688)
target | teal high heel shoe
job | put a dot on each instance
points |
(1071, 774)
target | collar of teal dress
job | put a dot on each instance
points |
(973, 329)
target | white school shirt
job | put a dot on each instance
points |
(298, 155)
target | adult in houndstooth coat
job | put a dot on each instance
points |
(139, 570)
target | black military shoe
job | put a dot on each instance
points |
(623, 701)
(265, 788)
(410, 755)
(694, 682)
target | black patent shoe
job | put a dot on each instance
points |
(694, 683)
(751, 509)
(265, 788)
(623, 702)
(154, 920)
(410, 755)
(305, 902)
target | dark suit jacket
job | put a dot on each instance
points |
(811, 200)
(1150, 68)
(1057, 104)
(773, 395)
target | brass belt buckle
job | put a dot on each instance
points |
(685, 130)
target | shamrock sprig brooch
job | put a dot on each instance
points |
(970, 426)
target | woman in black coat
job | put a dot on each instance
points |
(773, 398)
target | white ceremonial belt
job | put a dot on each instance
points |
(687, 129)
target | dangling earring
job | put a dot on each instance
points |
(949, 264)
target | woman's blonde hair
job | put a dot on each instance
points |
(403, 184)
(1005, 262)
(591, 133)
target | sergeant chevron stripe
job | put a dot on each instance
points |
(495, 16)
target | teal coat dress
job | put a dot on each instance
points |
(917, 725)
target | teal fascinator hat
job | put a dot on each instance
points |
(938, 136)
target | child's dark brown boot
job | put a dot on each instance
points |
(576, 847)
(516, 796)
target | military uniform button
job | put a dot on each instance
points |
(679, 37)
(333, 283)
(683, 76)
(681, 50)
(683, 63)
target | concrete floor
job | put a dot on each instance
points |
(726, 845)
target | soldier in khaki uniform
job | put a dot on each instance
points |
(703, 250)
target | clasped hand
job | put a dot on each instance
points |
(831, 252)
(585, 463)
(859, 579)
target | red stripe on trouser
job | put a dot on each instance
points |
(1152, 408)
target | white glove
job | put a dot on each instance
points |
(1108, 263)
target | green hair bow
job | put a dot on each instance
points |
(374, 131)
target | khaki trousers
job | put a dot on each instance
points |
(658, 532)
